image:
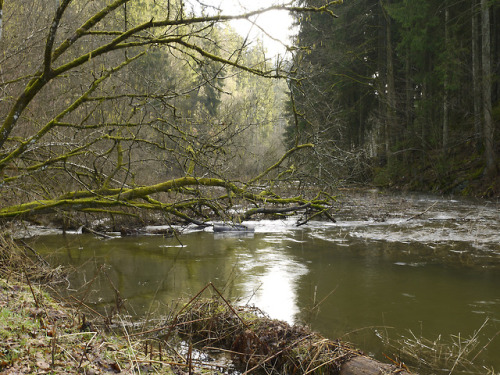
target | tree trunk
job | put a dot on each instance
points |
(495, 49)
(423, 123)
(380, 142)
(366, 366)
(476, 77)
(391, 87)
(1, 19)
(488, 135)
(445, 83)
(408, 89)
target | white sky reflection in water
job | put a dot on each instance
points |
(274, 289)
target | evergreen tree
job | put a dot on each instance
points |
(391, 80)
(336, 101)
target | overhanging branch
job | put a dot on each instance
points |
(130, 198)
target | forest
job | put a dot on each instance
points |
(125, 124)
(119, 107)
(403, 93)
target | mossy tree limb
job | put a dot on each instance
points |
(96, 116)
(140, 197)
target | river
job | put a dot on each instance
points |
(411, 268)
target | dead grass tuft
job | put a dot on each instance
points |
(455, 354)
(17, 264)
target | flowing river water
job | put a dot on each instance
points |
(416, 269)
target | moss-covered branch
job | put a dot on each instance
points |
(131, 197)
(107, 104)
(279, 162)
(23, 146)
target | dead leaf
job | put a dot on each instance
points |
(43, 365)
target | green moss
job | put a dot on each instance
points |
(16, 328)
(381, 177)
(30, 326)
(476, 174)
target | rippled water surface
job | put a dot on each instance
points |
(416, 267)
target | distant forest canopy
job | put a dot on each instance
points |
(402, 93)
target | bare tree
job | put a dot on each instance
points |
(489, 149)
(100, 118)
(1, 18)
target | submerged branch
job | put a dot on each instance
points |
(267, 210)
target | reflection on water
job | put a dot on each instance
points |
(273, 284)
(435, 274)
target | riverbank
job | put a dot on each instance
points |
(40, 334)
(159, 262)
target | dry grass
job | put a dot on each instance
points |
(39, 335)
(444, 355)
(15, 263)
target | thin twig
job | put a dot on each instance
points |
(31, 287)
(38, 256)
(467, 345)
(485, 346)
(324, 364)
(277, 353)
(423, 212)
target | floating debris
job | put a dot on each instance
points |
(232, 228)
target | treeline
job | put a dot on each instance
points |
(401, 92)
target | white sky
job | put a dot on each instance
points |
(276, 23)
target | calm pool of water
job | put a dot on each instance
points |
(363, 278)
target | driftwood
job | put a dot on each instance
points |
(421, 213)
(232, 228)
(166, 232)
(361, 365)
(273, 210)
(84, 229)
(284, 210)
(258, 343)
